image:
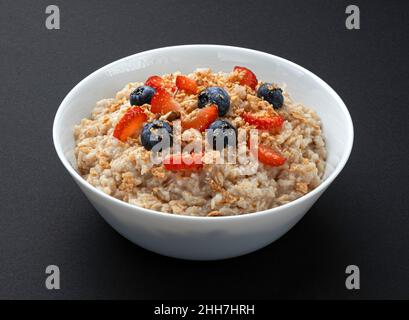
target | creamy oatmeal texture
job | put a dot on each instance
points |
(125, 171)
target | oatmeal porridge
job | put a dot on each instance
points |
(209, 110)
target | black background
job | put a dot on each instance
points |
(362, 219)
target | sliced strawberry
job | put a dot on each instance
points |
(179, 162)
(157, 82)
(202, 120)
(163, 102)
(263, 123)
(130, 123)
(154, 82)
(247, 77)
(269, 157)
(186, 84)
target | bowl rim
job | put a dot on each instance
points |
(324, 184)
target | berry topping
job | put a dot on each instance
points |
(221, 133)
(179, 162)
(130, 123)
(248, 78)
(186, 84)
(163, 102)
(202, 120)
(141, 95)
(157, 82)
(155, 132)
(271, 94)
(154, 82)
(263, 123)
(217, 96)
(269, 157)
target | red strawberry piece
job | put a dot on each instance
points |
(264, 123)
(186, 84)
(269, 157)
(163, 102)
(154, 82)
(130, 123)
(157, 82)
(179, 162)
(202, 120)
(247, 77)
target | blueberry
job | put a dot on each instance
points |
(222, 133)
(154, 132)
(217, 96)
(141, 95)
(271, 94)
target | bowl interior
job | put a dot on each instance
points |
(301, 84)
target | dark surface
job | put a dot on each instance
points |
(362, 219)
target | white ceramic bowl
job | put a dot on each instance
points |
(203, 238)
